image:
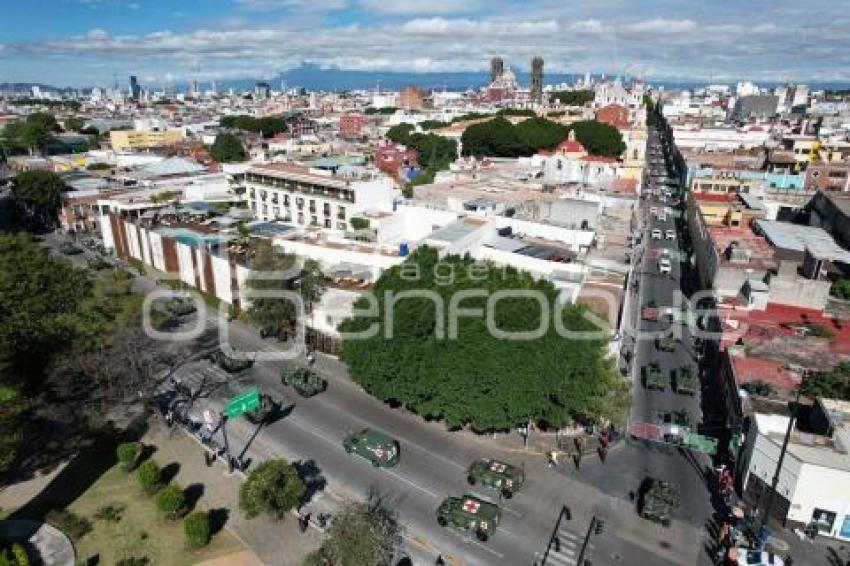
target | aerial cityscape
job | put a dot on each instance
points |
(353, 283)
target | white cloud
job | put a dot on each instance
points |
(420, 7)
(97, 34)
(293, 5)
(465, 27)
(662, 26)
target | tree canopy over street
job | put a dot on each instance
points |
(74, 358)
(362, 533)
(38, 195)
(228, 148)
(599, 138)
(478, 379)
(272, 488)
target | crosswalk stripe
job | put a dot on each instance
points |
(557, 559)
(568, 535)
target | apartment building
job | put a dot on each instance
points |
(310, 197)
(130, 140)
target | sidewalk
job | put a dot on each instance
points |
(272, 542)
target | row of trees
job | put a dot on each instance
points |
(30, 134)
(38, 197)
(478, 379)
(268, 126)
(573, 97)
(500, 138)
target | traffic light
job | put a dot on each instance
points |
(599, 528)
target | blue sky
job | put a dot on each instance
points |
(86, 42)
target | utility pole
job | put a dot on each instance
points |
(770, 495)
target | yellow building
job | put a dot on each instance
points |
(122, 140)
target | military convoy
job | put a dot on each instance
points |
(304, 382)
(653, 377)
(230, 364)
(469, 514)
(507, 479)
(267, 408)
(685, 381)
(658, 501)
(381, 450)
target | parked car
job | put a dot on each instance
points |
(656, 234)
(670, 234)
(664, 266)
(748, 557)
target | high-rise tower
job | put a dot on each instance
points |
(537, 79)
(497, 66)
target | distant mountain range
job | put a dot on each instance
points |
(314, 77)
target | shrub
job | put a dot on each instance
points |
(273, 488)
(20, 555)
(111, 513)
(197, 529)
(69, 523)
(358, 223)
(149, 477)
(170, 500)
(127, 453)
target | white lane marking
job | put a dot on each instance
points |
(513, 512)
(554, 558)
(311, 430)
(506, 531)
(412, 484)
(484, 547)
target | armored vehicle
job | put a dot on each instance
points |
(377, 447)
(653, 378)
(658, 501)
(666, 343)
(469, 514)
(506, 478)
(305, 382)
(180, 306)
(230, 364)
(685, 381)
(267, 408)
(68, 248)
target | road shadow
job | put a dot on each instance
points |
(70, 483)
(311, 475)
(193, 493)
(218, 519)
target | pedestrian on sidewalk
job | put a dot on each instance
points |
(553, 458)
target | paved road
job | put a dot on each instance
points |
(433, 466)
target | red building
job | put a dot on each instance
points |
(390, 157)
(351, 125)
(614, 115)
(412, 98)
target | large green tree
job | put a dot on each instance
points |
(362, 533)
(480, 379)
(272, 488)
(272, 272)
(228, 148)
(39, 196)
(599, 138)
(832, 384)
(500, 138)
(573, 97)
(268, 126)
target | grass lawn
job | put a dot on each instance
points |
(141, 531)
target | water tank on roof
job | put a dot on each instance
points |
(403, 249)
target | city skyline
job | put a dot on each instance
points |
(86, 42)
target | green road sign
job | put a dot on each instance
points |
(244, 402)
(701, 443)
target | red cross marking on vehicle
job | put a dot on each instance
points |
(471, 506)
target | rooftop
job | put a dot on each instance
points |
(799, 238)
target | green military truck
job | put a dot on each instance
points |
(685, 381)
(658, 501)
(381, 450)
(667, 343)
(261, 414)
(507, 479)
(470, 514)
(653, 378)
(231, 364)
(304, 382)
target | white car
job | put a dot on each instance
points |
(654, 211)
(656, 234)
(747, 557)
(662, 216)
(670, 235)
(664, 266)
